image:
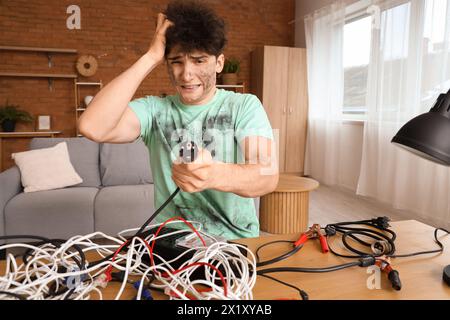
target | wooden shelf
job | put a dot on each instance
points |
(18, 134)
(38, 75)
(36, 49)
(79, 109)
(88, 83)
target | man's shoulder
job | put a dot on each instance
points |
(151, 101)
(239, 98)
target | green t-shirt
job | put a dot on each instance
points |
(218, 126)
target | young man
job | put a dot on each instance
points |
(236, 160)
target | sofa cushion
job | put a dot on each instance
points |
(46, 169)
(84, 155)
(123, 207)
(125, 164)
(60, 213)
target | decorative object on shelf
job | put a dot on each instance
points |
(230, 70)
(43, 123)
(81, 99)
(10, 114)
(88, 100)
(87, 65)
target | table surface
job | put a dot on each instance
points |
(421, 276)
(292, 183)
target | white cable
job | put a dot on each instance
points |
(34, 279)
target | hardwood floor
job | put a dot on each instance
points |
(333, 204)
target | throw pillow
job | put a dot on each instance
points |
(46, 169)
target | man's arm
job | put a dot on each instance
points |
(258, 176)
(108, 117)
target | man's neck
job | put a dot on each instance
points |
(206, 100)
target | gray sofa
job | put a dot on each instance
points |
(116, 193)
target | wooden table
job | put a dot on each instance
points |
(285, 210)
(421, 276)
(4, 135)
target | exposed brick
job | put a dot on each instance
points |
(117, 33)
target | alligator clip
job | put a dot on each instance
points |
(314, 232)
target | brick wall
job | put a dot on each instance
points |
(117, 33)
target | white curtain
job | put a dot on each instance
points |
(408, 69)
(324, 39)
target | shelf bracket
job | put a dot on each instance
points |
(49, 57)
(50, 84)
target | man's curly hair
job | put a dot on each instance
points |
(196, 27)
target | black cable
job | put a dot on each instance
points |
(56, 242)
(276, 259)
(301, 292)
(15, 295)
(425, 252)
(309, 270)
(146, 223)
(139, 232)
(380, 234)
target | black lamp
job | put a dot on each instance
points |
(428, 135)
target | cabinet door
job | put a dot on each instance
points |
(275, 88)
(297, 111)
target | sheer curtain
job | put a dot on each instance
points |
(408, 69)
(324, 38)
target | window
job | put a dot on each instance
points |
(356, 54)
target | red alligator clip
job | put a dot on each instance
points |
(313, 232)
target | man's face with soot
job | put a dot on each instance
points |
(194, 74)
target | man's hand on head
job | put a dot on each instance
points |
(195, 176)
(158, 45)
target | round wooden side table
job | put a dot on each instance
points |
(285, 210)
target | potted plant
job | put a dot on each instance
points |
(10, 114)
(230, 69)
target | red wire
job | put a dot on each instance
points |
(222, 278)
(109, 269)
(162, 226)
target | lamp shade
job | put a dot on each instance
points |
(428, 135)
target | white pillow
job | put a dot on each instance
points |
(46, 169)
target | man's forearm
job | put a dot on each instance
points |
(246, 180)
(108, 106)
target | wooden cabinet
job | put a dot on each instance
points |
(279, 80)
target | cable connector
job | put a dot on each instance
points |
(394, 278)
(384, 264)
(146, 294)
(101, 280)
(367, 261)
(381, 222)
(330, 230)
